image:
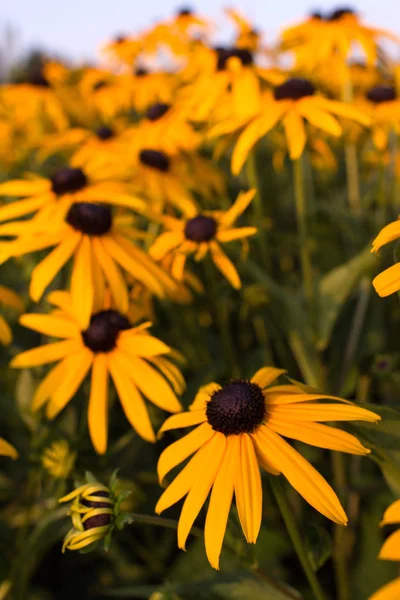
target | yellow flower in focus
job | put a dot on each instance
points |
(239, 429)
(10, 299)
(58, 459)
(387, 282)
(292, 103)
(110, 345)
(390, 551)
(7, 450)
(202, 233)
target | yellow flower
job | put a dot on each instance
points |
(123, 50)
(11, 299)
(384, 107)
(291, 103)
(109, 346)
(100, 245)
(7, 450)
(387, 282)
(92, 513)
(58, 459)
(390, 551)
(201, 233)
(239, 429)
(246, 36)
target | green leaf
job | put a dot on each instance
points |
(318, 545)
(336, 287)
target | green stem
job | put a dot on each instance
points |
(295, 536)
(350, 157)
(161, 522)
(340, 546)
(254, 182)
(300, 203)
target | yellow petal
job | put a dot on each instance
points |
(20, 208)
(54, 326)
(392, 514)
(266, 375)
(171, 372)
(221, 500)
(141, 345)
(48, 268)
(53, 380)
(320, 118)
(391, 547)
(5, 332)
(264, 459)
(224, 265)
(10, 298)
(201, 487)
(165, 243)
(82, 287)
(228, 235)
(24, 187)
(295, 134)
(98, 404)
(248, 490)
(185, 419)
(342, 109)
(183, 448)
(387, 282)
(390, 591)
(7, 450)
(388, 234)
(113, 275)
(203, 395)
(302, 476)
(46, 354)
(322, 412)
(318, 435)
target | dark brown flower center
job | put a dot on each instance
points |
(104, 329)
(99, 85)
(141, 72)
(155, 159)
(156, 111)
(200, 228)
(98, 520)
(338, 13)
(68, 180)
(38, 79)
(104, 133)
(294, 89)
(119, 39)
(381, 93)
(92, 219)
(224, 54)
(185, 11)
(238, 407)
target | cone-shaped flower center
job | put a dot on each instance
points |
(104, 133)
(68, 180)
(200, 228)
(316, 15)
(104, 329)
(141, 72)
(156, 111)
(185, 11)
(294, 89)
(92, 219)
(155, 159)
(340, 12)
(224, 54)
(381, 93)
(238, 408)
(98, 520)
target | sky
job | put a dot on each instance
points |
(76, 28)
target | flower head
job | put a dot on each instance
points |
(240, 428)
(58, 459)
(390, 551)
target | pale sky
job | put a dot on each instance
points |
(76, 28)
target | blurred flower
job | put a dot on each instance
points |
(291, 103)
(387, 282)
(58, 459)
(7, 450)
(246, 36)
(384, 107)
(239, 429)
(390, 551)
(10, 299)
(201, 233)
(110, 345)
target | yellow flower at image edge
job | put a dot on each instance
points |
(239, 429)
(387, 282)
(109, 346)
(7, 450)
(202, 233)
(390, 551)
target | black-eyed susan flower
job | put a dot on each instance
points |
(109, 346)
(247, 36)
(58, 459)
(10, 299)
(7, 450)
(201, 233)
(387, 282)
(123, 49)
(291, 104)
(390, 551)
(240, 428)
(384, 107)
(100, 245)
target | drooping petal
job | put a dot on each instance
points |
(82, 285)
(388, 234)
(392, 514)
(225, 265)
(165, 243)
(53, 380)
(21, 207)
(183, 448)
(237, 209)
(265, 460)
(113, 276)
(46, 354)
(185, 419)
(221, 500)
(141, 345)
(266, 375)
(7, 450)
(98, 404)
(295, 134)
(248, 490)
(318, 435)
(320, 118)
(391, 547)
(201, 487)
(391, 591)
(302, 476)
(5, 332)
(387, 282)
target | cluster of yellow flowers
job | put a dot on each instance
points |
(115, 175)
